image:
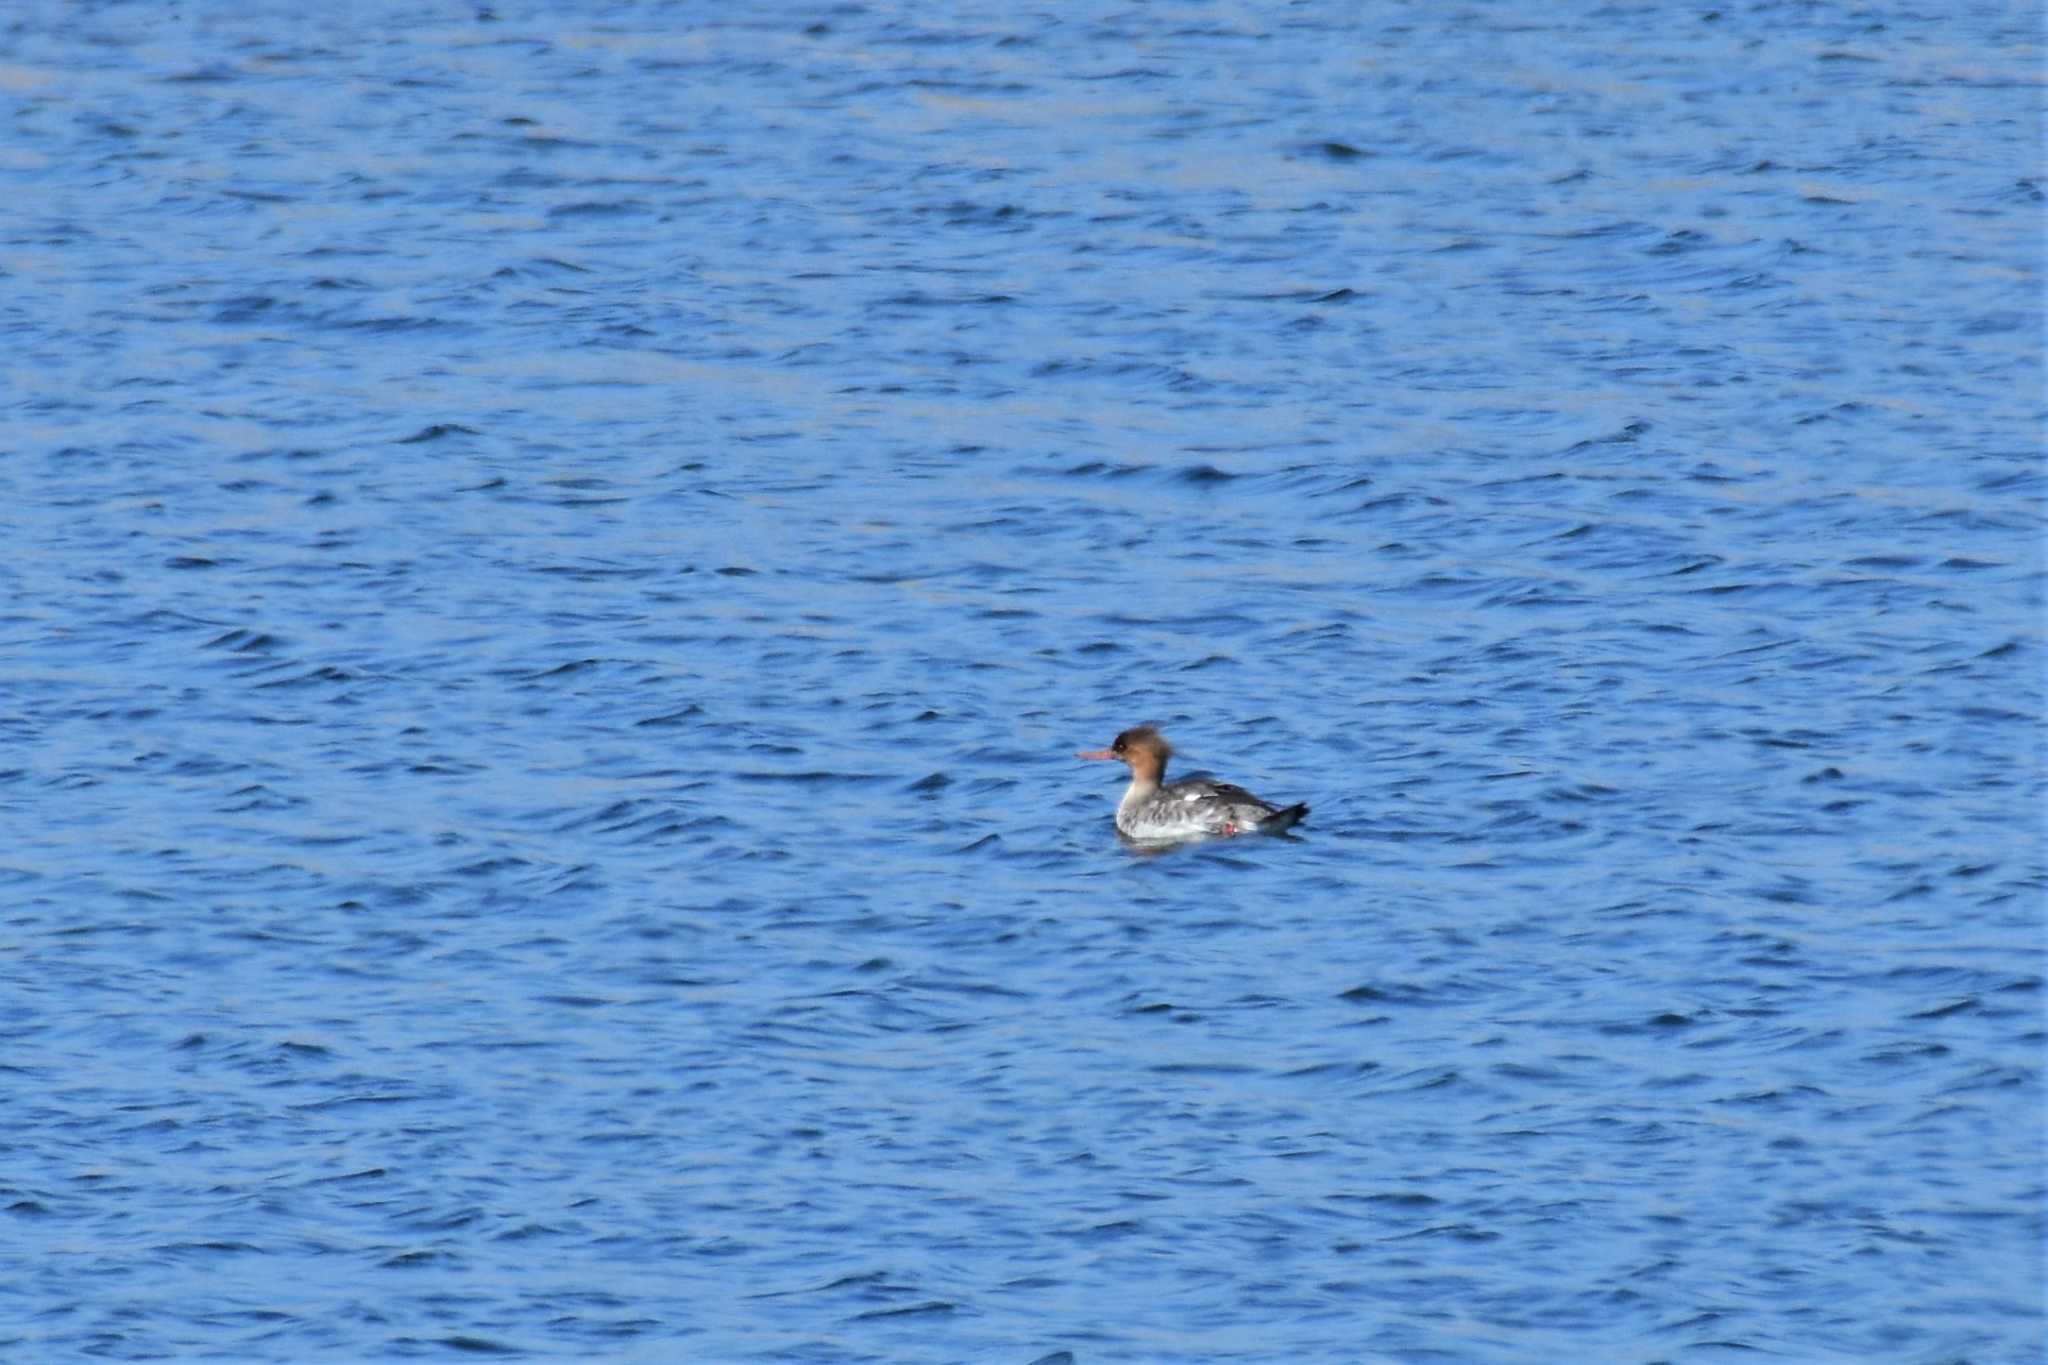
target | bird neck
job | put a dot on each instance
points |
(1144, 784)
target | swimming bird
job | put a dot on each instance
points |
(1189, 809)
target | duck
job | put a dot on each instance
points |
(1154, 810)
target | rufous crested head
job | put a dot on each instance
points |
(1141, 746)
(1141, 739)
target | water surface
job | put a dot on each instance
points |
(558, 563)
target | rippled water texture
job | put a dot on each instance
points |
(558, 557)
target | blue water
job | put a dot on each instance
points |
(558, 558)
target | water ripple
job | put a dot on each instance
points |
(558, 569)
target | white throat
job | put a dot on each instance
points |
(1137, 794)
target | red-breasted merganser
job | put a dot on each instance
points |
(1188, 809)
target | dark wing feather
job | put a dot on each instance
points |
(1221, 791)
(1238, 796)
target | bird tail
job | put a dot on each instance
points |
(1286, 818)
